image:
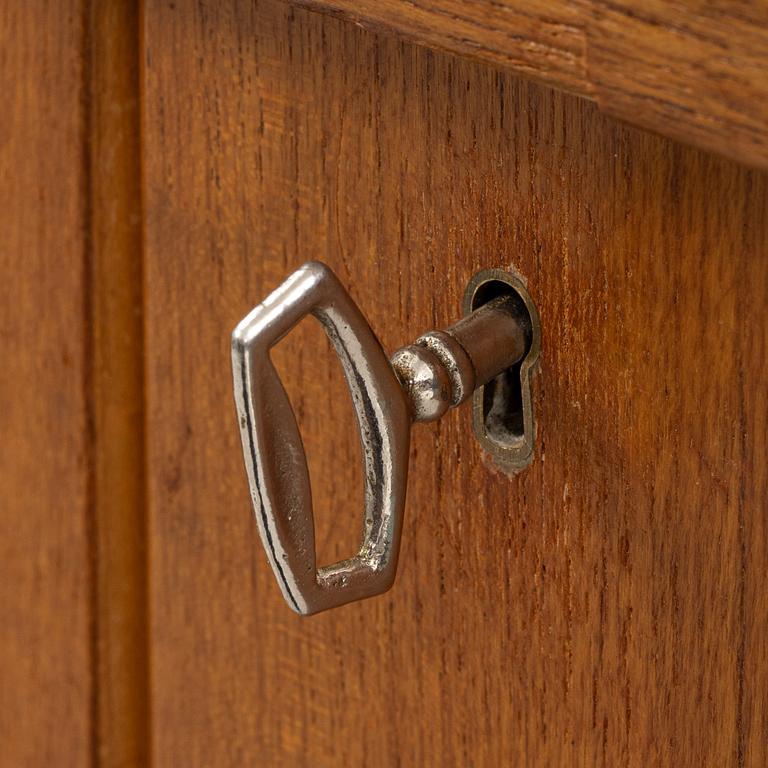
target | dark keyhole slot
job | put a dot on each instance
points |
(502, 396)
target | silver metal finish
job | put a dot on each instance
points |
(274, 454)
(439, 371)
(456, 362)
(425, 381)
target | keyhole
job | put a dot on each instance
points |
(503, 413)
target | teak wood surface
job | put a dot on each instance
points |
(691, 70)
(605, 607)
(73, 677)
(45, 578)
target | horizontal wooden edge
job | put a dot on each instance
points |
(692, 75)
(550, 50)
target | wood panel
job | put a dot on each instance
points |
(73, 596)
(603, 608)
(46, 693)
(694, 71)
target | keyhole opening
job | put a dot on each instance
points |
(503, 396)
(503, 409)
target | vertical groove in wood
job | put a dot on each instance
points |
(90, 562)
(116, 376)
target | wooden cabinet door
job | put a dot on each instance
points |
(164, 165)
(604, 607)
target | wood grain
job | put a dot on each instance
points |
(46, 675)
(604, 608)
(117, 386)
(690, 70)
(73, 595)
(697, 72)
(542, 39)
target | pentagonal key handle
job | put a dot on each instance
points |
(274, 454)
(441, 369)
